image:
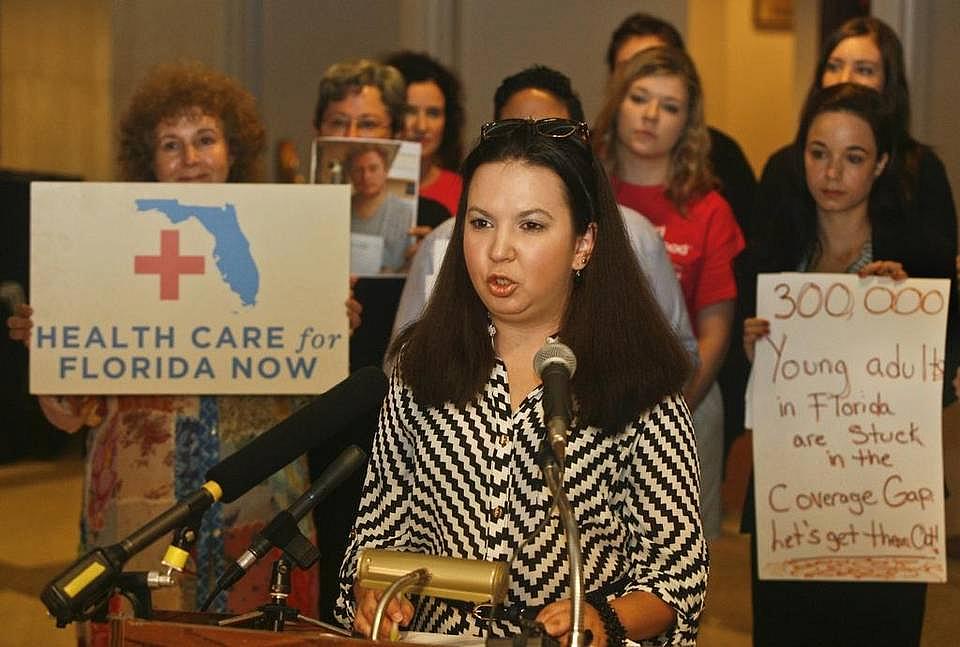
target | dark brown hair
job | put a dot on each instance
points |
(172, 90)
(895, 92)
(786, 241)
(543, 78)
(641, 24)
(418, 68)
(628, 359)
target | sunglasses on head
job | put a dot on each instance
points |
(552, 127)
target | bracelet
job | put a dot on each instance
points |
(616, 634)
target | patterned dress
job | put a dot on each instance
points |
(464, 483)
(145, 453)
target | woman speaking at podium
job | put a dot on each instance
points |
(538, 253)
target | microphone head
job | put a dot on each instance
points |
(554, 353)
(329, 415)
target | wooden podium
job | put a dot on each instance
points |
(181, 629)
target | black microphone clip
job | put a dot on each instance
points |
(283, 531)
(84, 586)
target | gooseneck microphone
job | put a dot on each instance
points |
(282, 531)
(555, 363)
(79, 590)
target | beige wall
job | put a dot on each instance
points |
(67, 67)
(55, 72)
(299, 41)
(501, 37)
(748, 75)
(939, 124)
(148, 32)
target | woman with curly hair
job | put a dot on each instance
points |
(185, 123)
(654, 140)
(183, 95)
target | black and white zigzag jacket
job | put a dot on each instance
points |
(464, 483)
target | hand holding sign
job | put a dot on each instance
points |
(846, 412)
(20, 323)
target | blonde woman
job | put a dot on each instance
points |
(654, 141)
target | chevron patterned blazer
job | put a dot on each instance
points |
(463, 482)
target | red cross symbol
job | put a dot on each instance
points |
(169, 265)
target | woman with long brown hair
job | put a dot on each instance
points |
(842, 219)
(538, 254)
(654, 140)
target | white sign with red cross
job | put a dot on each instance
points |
(177, 289)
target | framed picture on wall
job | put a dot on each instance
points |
(773, 14)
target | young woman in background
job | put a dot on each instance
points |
(652, 135)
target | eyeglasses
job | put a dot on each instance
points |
(552, 127)
(364, 126)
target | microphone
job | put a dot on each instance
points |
(83, 586)
(325, 417)
(555, 363)
(79, 590)
(282, 530)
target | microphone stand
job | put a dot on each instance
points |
(136, 586)
(552, 474)
(87, 583)
(282, 533)
(274, 615)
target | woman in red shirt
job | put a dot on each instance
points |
(434, 118)
(652, 135)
